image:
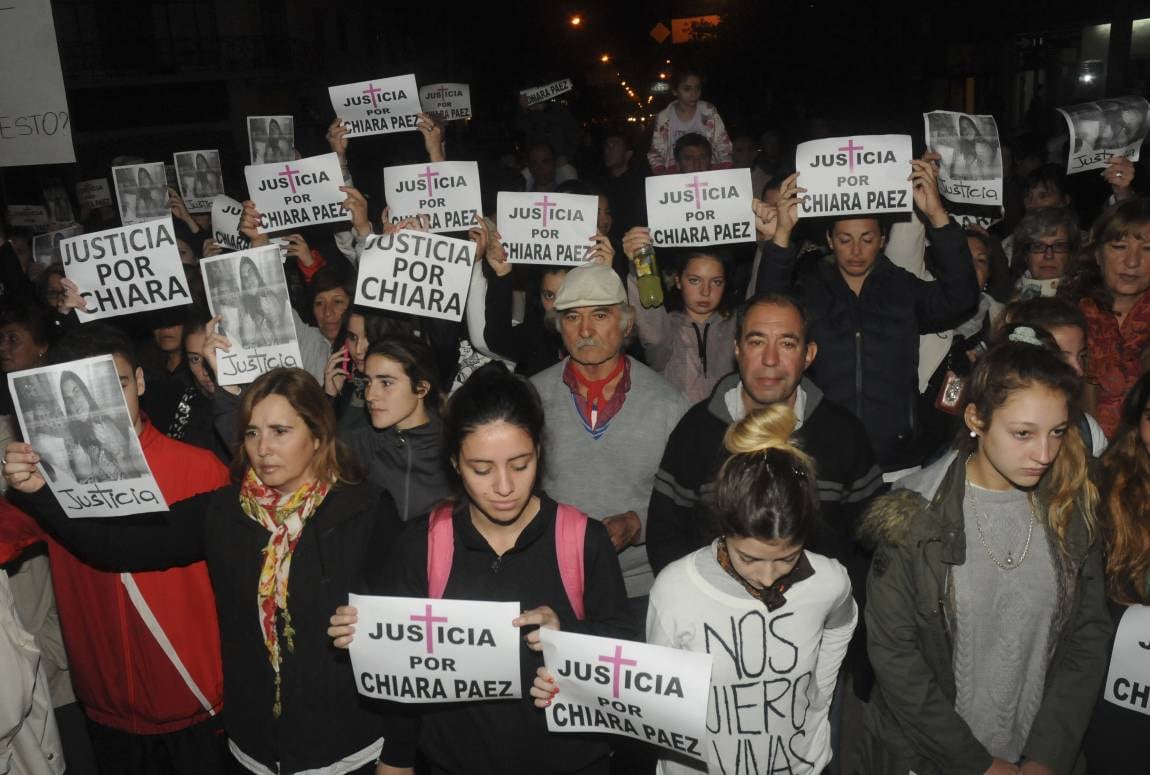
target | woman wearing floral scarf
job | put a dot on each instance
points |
(284, 546)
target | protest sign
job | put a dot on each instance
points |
(377, 107)
(970, 171)
(46, 247)
(226, 214)
(446, 101)
(705, 208)
(447, 192)
(537, 94)
(418, 650)
(271, 138)
(76, 418)
(415, 272)
(201, 179)
(31, 216)
(249, 291)
(35, 127)
(650, 693)
(855, 175)
(1128, 683)
(1099, 130)
(58, 202)
(547, 228)
(142, 192)
(94, 193)
(130, 269)
(298, 193)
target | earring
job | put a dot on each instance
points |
(973, 434)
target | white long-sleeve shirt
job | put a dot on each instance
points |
(774, 672)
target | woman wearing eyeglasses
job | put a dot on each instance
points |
(1044, 250)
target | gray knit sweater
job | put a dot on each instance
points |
(615, 473)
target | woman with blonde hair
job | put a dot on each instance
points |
(775, 617)
(298, 518)
(985, 618)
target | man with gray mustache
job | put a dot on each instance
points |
(607, 419)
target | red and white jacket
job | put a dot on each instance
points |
(144, 648)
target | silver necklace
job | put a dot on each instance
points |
(1009, 563)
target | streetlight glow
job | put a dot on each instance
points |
(576, 20)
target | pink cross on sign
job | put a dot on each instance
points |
(430, 176)
(428, 620)
(850, 149)
(697, 185)
(371, 91)
(290, 174)
(546, 204)
(616, 662)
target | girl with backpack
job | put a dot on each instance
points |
(501, 539)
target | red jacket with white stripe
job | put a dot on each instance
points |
(144, 648)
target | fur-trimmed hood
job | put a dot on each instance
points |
(905, 513)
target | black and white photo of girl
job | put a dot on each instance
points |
(271, 138)
(82, 426)
(200, 178)
(141, 191)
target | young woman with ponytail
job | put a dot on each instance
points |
(775, 617)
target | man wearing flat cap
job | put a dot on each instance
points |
(607, 419)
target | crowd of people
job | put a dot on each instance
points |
(917, 452)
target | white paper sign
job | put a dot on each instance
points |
(201, 178)
(46, 247)
(971, 168)
(130, 269)
(142, 191)
(30, 216)
(377, 107)
(446, 101)
(75, 416)
(704, 208)
(249, 290)
(35, 127)
(1099, 130)
(447, 192)
(855, 175)
(650, 693)
(415, 272)
(94, 193)
(547, 228)
(271, 138)
(1128, 684)
(226, 214)
(297, 193)
(537, 94)
(417, 650)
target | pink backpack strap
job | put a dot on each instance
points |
(440, 549)
(570, 534)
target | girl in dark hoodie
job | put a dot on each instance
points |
(402, 448)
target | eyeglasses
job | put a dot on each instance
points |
(1059, 248)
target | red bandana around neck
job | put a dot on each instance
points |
(595, 386)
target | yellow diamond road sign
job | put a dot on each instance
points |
(660, 32)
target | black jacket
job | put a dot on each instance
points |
(678, 517)
(510, 736)
(868, 343)
(409, 464)
(341, 550)
(530, 344)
